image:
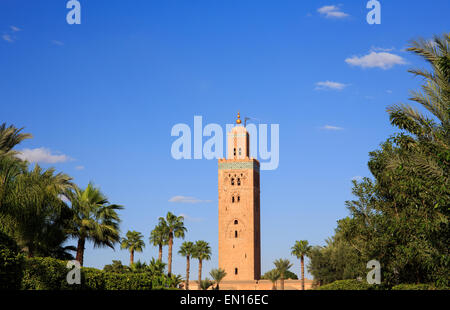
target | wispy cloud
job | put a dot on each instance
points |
(381, 49)
(79, 168)
(56, 42)
(332, 128)
(190, 218)
(7, 38)
(42, 155)
(332, 11)
(187, 199)
(381, 60)
(14, 28)
(330, 85)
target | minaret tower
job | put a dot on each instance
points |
(239, 215)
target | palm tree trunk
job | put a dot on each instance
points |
(30, 251)
(169, 263)
(302, 261)
(199, 272)
(131, 258)
(160, 252)
(188, 266)
(282, 282)
(274, 286)
(80, 250)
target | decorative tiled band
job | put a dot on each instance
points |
(239, 165)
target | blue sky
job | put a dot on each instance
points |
(101, 98)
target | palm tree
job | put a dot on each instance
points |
(35, 214)
(159, 237)
(202, 251)
(273, 275)
(435, 97)
(205, 284)
(174, 225)
(133, 242)
(218, 275)
(186, 250)
(138, 267)
(282, 265)
(300, 250)
(94, 219)
(156, 267)
(9, 138)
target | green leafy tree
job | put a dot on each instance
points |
(218, 275)
(202, 251)
(186, 250)
(401, 216)
(116, 267)
(300, 250)
(282, 265)
(95, 219)
(134, 243)
(174, 226)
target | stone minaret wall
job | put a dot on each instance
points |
(239, 210)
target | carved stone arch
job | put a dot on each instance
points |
(240, 227)
(235, 194)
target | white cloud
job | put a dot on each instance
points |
(330, 85)
(381, 60)
(14, 28)
(332, 11)
(7, 38)
(79, 167)
(329, 127)
(42, 155)
(186, 199)
(389, 91)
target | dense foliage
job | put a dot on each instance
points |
(401, 216)
(11, 262)
(50, 274)
(353, 285)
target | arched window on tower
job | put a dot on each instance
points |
(235, 234)
(240, 151)
(235, 271)
(234, 151)
(238, 198)
(235, 222)
(232, 181)
(232, 199)
(239, 181)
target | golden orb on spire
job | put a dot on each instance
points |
(238, 121)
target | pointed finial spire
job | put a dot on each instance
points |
(238, 121)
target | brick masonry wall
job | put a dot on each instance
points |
(257, 285)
